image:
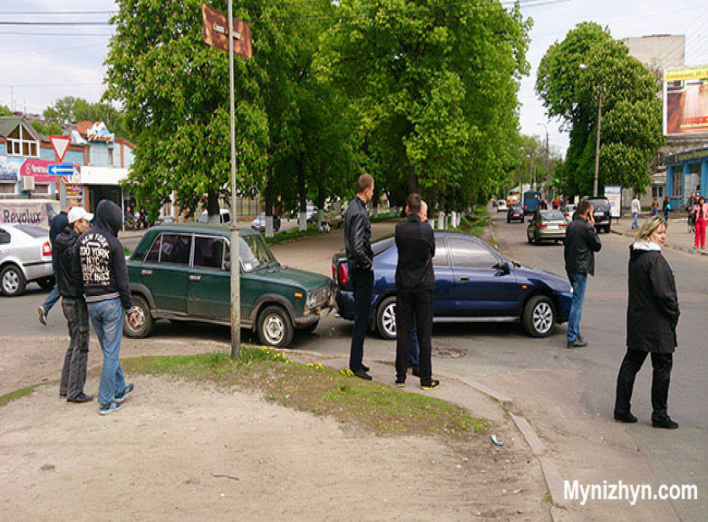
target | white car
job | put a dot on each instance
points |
(224, 217)
(25, 256)
(501, 206)
(569, 212)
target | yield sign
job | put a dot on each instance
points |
(60, 144)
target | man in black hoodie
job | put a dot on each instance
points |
(69, 283)
(107, 294)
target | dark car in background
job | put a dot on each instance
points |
(260, 223)
(182, 272)
(515, 213)
(473, 283)
(601, 212)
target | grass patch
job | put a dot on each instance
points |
(291, 234)
(128, 252)
(473, 225)
(18, 394)
(319, 390)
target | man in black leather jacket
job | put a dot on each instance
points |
(360, 258)
(581, 243)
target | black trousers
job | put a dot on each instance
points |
(631, 364)
(414, 307)
(73, 373)
(363, 283)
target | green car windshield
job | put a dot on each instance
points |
(255, 253)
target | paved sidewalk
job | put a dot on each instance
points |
(677, 238)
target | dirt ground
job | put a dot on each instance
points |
(182, 450)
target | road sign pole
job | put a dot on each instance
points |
(235, 240)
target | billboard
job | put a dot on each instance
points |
(686, 101)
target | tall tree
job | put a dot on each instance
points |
(631, 108)
(175, 90)
(434, 84)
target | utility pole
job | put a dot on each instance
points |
(584, 67)
(548, 163)
(233, 232)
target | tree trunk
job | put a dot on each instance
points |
(302, 224)
(269, 204)
(412, 181)
(213, 209)
(320, 206)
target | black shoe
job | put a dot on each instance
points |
(120, 397)
(430, 385)
(665, 423)
(577, 344)
(62, 395)
(625, 417)
(364, 367)
(81, 398)
(361, 373)
(416, 371)
(400, 383)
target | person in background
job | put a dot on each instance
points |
(666, 207)
(700, 218)
(70, 285)
(360, 258)
(56, 226)
(652, 316)
(654, 207)
(107, 294)
(636, 209)
(581, 243)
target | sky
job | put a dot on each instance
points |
(41, 64)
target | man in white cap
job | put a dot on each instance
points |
(70, 285)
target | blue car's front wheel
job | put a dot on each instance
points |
(539, 316)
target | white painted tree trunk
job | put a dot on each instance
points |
(269, 226)
(441, 221)
(302, 221)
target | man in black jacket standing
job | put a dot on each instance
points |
(70, 284)
(107, 293)
(56, 227)
(415, 281)
(581, 243)
(360, 258)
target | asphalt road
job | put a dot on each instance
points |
(502, 357)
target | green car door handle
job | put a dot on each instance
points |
(146, 272)
(195, 278)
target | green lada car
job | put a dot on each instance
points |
(181, 272)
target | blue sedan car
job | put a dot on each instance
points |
(473, 283)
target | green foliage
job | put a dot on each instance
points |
(51, 129)
(434, 85)
(69, 110)
(5, 111)
(631, 108)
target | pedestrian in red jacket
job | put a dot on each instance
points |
(700, 215)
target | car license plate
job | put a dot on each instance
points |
(552, 227)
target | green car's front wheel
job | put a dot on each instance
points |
(275, 328)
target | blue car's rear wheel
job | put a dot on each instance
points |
(386, 318)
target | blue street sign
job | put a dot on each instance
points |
(61, 170)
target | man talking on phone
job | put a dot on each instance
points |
(581, 243)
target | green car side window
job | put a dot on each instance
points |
(254, 253)
(209, 252)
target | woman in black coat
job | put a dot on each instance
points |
(652, 316)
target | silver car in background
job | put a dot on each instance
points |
(25, 256)
(546, 225)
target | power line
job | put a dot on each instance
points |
(76, 35)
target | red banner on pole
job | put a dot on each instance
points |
(216, 29)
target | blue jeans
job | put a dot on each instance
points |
(51, 299)
(576, 310)
(634, 220)
(107, 320)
